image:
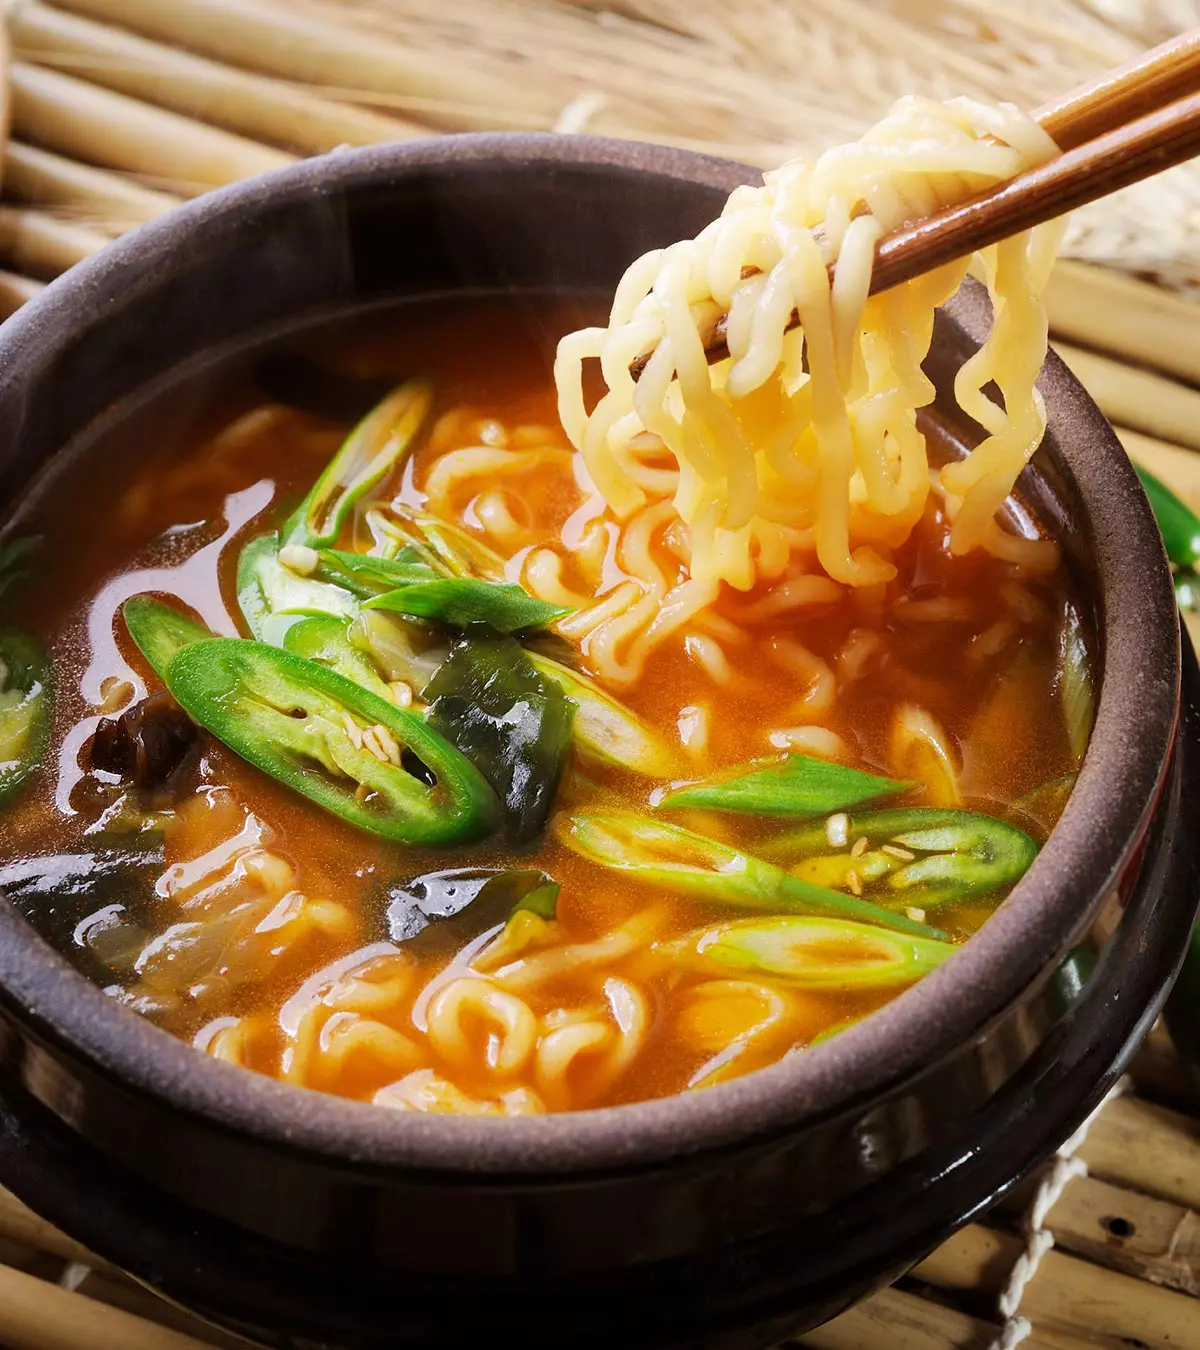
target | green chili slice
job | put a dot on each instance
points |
(317, 733)
(268, 591)
(1177, 522)
(325, 640)
(461, 601)
(26, 709)
(685, 863)
(815, 953)
(919, 856)
(160, 631)
(788, 785)
(368, 455)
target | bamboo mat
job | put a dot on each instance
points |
(116, 110)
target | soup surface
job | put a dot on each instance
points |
(603, 935)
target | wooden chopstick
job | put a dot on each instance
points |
(1115, 130)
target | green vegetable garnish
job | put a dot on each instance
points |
(1076, 686)
(605, 730)
(789, 785)
(366, 576)
(920, 856)
(1177, 522)
(686, 863)
(324, 639)
(268, 591)
(368, 455)
(26, 707)
(488, 699)
(160, 631)
(313, 730)
(460, 601)
(457, 551)
(813, 953)
(1043, 805)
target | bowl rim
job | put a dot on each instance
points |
(1053, 903)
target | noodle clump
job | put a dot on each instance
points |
(804, 444)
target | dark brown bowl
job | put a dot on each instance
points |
(727, 1217)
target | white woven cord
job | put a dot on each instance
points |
(1038, 1238)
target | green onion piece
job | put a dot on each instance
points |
(457, 550)
(367, 576)
(368, 455)
(489, 700)
(789, 785)
(1178, 523)
(685, 863)
(605, 730)
(324, 639)
(26, 709)
(460, 601)
(160, 631)
(309, 728)
(812, 953)
(1076, 688)
(956, 855)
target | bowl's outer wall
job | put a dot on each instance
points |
(717, 1190)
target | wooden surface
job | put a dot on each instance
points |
(120, 108)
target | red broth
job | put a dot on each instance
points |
(241, 917)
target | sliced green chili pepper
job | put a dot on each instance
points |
(815, 953)
(788, 785)
(324, 639)
(489, 700)
(371, 451)
(460, 601)
(687, 863)
(1178, 523)
(605, 729)
(160, 631)
(267, 591)
(920, 856)
(314, 731)
(26, 708)
(1077, 689)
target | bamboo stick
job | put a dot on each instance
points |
(1155, 1240)
(1125, 317)
(1067, 1292)
(253, 105)
(14, 292)
(311, 51)
(901, 1321)
(1135, 398)
(42, 245)
(35, 1315)
(100, 200)
(78, 119)
(23, 1225)
(1147, 1147)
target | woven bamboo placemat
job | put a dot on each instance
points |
(116, 110)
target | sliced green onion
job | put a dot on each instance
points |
(1077, 687)
(789, 785)
(685, 863)
(461, 601)
(368, 455)
(605, 730)
(814, 953)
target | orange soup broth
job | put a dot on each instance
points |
(970, 643)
